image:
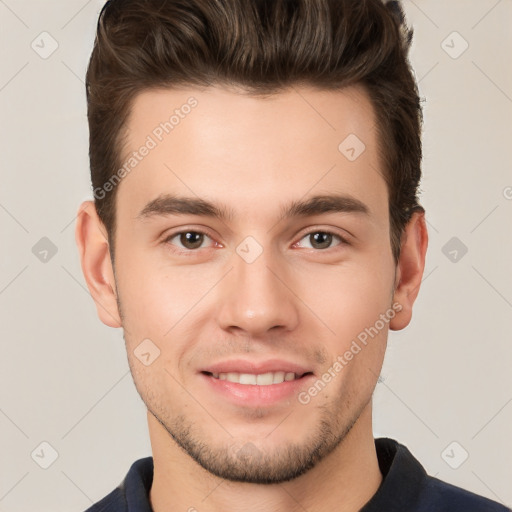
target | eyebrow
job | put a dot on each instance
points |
(167, 204)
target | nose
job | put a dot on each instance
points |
(258, 296)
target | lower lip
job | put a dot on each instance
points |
(253, 395)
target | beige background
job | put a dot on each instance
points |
(64, 376)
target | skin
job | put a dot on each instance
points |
(298, 301)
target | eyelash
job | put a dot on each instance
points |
(191, 252)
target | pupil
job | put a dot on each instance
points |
(322, 239)
(187, 239)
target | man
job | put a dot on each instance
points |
(256, 232)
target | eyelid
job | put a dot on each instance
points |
(345, 237)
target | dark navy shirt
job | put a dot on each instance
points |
(405, 487)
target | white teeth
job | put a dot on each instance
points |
(262, 379)
(265, 379)
(247, 378)
(278, 378)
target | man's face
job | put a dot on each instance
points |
(258, 291)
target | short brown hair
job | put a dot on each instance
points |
(263, 47)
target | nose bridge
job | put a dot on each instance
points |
(255, 297)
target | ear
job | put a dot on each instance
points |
(92, 241)
(410, 268)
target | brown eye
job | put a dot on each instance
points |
(322, 240)
(185, 241)
(191, 239)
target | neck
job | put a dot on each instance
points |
(344, 480)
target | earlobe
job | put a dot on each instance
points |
(92, 242)
(410, 269)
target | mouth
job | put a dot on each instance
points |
(259, 379)
(272, 384)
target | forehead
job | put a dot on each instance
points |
(251, 151)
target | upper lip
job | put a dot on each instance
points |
(244, 366)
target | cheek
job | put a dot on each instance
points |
(350, 297)
(351, 306)
(155, 297)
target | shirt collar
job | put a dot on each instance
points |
(401, 472)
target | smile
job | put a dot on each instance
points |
(260, 379)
